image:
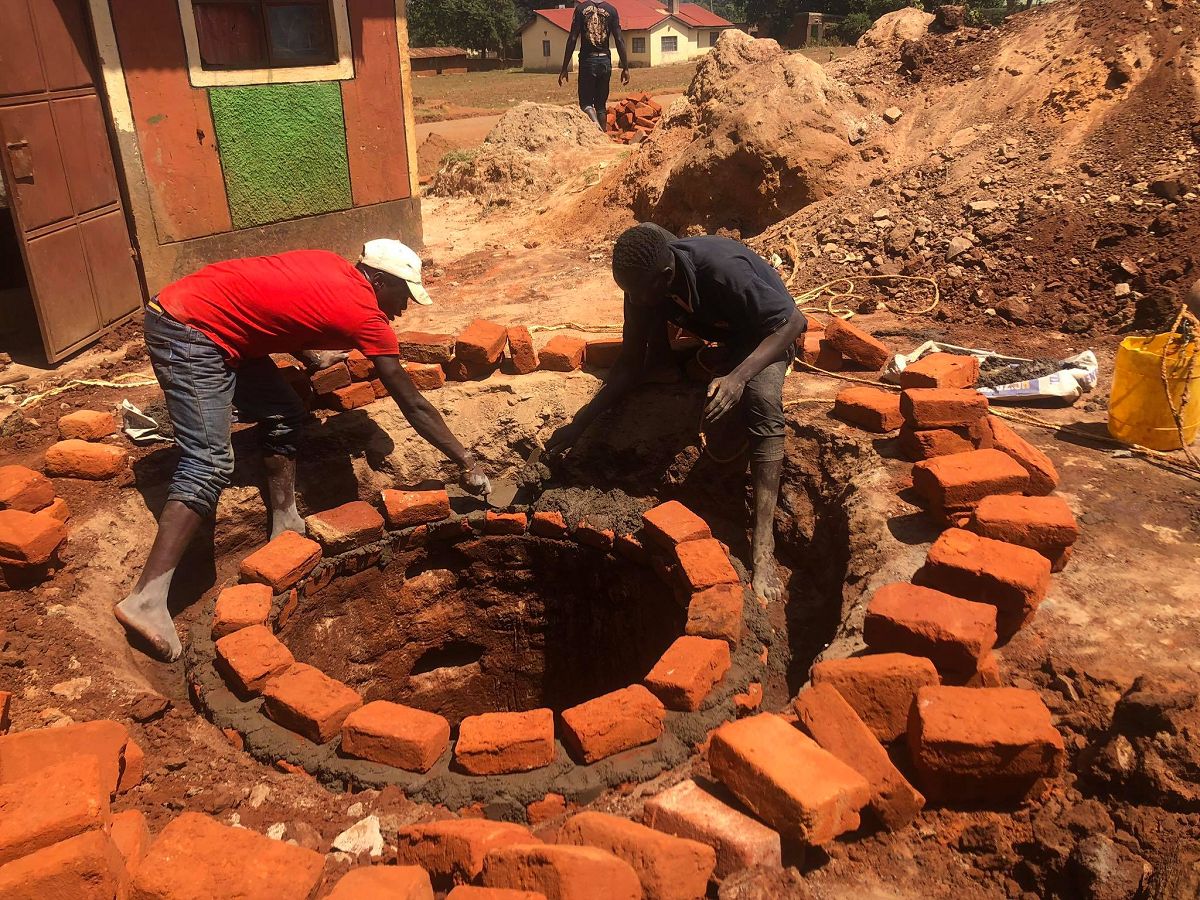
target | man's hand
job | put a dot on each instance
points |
(624, 76)
(563, 78)
(563, 439)
(475, 480)
(323, 359)
(723, 395)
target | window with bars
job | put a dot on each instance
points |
(670, 44)
(639, 45)
(545, 48)
(264, 34)
(713, 37)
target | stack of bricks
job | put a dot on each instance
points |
(631, 119)
(32, 527)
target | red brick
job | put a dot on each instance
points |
(196, 857)
(131, 836)
(481, 345)
(562, 872)
(835, 726)
(941, 370)
(51, 805)
(669, 867)
(361, 368)
(378, 388)
(87, 425)
(688, 671)
(786, 780)
(383, 883)
(29, 539)
(326, 381)
(717, 612)
(1044, 524)
(958, 482)
(562, 353)
(942, 407)
(133, 766)
(24, 489)
(982, 745)
(749, 700)
(828, 359)
(422, 347)
(57, 510)
(880, 687)
(250, 657)
(5, 711)
(673, 523)
(510, 523)
(1011, 578)
(631, 548)
(240, 606)
(603, 353)
(548, 525)
(951, 632)
(305, 700)
(869, 408)
(740, 842)
(395, 735)
(928, 443)
(282, 562)
(469, 892)
(987, 674)
(593, 536)
(85, 867)
(856, 345)
(503, 742)
(405, 509)
(346, 527)
(705, 563)
(522, 351)
(353, 396)
(808, 347)
(27, 752)
(83, 459)
(549, 807)
(613, 722)
(426, 376)
(1043, 476)
(453, 850)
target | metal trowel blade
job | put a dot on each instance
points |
(503, 493)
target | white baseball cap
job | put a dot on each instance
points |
(395, 258)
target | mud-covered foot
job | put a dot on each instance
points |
(767, 583)
(288, 520)
(150, 621)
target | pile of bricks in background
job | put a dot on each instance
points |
(631, 119)
(433, 359)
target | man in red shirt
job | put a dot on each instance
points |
(209, 337)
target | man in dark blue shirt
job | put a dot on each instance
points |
(723, 292)
(594, 21)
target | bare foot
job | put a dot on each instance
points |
(150, 620)
(287, 520)
(767, 583)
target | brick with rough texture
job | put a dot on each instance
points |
(239, 607)
(673, 523)
(87, 425)
(1043, 476)
(383, 883)
(785, 779)
(5, 711)
(29, 539)
(835, 726)
(58, 510)
(503, 742)
(250, 657)
(562, 353)
(27, 752)
(951, 632)
(717, 612)
(603, 353)
(705, 563)
(51, 805)
(425, 376)
(982, 745)
(562, 872)
(345, 527)
(305, 700)
(879, 687)
(610, 723)
(422, 347)
(1044, 524)
(282, 562)
(520, 348)
(687, 672)
(941, 370)
(1013, 579)
(85, 867)
(856, 345)
(395, 735)
(405, 509)
(916, 445)
(331, 378)
(548, 525)
(740, 842)
(510, 523)
(870, 409)
(131, 835)
(453, 850)
(942, 407)
(470, 892)
(24, 489)
(83, 459)
(593, 536)
(353, 396)
(960, 481)
(669, 867)
(381, 390)
(195, 858)
(480, 345)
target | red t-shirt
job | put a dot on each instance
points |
(303, 300)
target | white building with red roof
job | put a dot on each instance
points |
(657, 33)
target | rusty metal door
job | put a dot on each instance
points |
(58, 163)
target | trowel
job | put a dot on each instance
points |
(505, 490)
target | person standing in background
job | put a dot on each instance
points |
(594, 21)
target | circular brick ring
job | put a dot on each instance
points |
(295, 716)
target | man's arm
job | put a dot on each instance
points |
(427, 421)
(572, 39)
(724, 393)
(619, 40)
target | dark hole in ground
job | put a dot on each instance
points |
(499, 623)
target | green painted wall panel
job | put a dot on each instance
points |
(283, 150)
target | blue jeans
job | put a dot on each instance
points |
(201, 391)
(595, 72)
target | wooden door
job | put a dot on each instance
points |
(57, 160)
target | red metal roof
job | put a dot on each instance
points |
(639, 15)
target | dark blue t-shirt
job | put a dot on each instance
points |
(594, 23)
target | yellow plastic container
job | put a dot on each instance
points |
(1138, 412)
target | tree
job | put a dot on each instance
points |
(471, 24)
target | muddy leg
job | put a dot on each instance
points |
(281, 486)
(766, 475)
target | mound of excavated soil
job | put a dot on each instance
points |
(895, 28)
(430, 154)
(521, 155)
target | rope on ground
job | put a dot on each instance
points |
(128, 380)
(807, 301)
(575, 326)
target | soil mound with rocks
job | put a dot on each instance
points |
(895, 28)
